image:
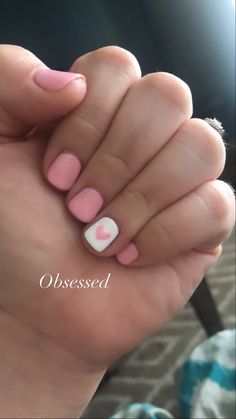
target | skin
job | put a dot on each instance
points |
(143, 136)
(57, 343)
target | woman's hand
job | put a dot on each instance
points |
(57, 342)
(137, 168)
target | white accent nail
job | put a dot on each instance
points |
(101, 234)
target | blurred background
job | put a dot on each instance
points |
(194, 40)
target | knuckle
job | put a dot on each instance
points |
(119, 165)
(87, 123)
(113, 56)
(172, 87)
(209, 143)
(7, 50)
(119, 57)
(221, 202)
(165, 233)
(136, 197)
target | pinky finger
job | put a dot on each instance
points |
(201, 220)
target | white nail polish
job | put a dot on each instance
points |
(101, 234)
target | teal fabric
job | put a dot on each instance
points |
(208, 379)
(206, 384)
(142, 411)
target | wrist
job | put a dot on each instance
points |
(41, 378)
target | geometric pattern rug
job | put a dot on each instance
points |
(148, 373)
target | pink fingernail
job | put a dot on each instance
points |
(128, 254)
(55, 80)
(64, 171)
(86, 204)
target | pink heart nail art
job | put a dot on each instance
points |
(101, 233)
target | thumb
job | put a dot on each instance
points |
(31, 94)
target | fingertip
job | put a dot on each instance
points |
(32, 94)
(53, 80)
(128, 255)
(86, 204)
(64, 171)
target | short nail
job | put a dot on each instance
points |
(86, 204)
(128, 255)
(53, 80)
(64, 171)
(101, 234)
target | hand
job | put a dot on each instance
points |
(59, 340)
(137, 168)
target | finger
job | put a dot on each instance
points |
(31, 94)
(110, 72)
(205, 216)
(194, 155)
(161, 290)
(151, 112)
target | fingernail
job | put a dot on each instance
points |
(55, 80)
(64, 171)
(86, 204)
(101, 234)
(128, 254)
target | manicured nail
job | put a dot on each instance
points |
(101, 234)
(128, 254)
(55, 80)
(86, 204)
(64, 171)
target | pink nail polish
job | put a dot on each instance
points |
(128, 254)
(64, 171)
(86, 204)
(53, 80)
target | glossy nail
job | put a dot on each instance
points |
(86, 204)
(64, 171)
(101, 234)
(53, 80)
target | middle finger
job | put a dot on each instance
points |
(154, 108)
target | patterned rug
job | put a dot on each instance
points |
(147, 374)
